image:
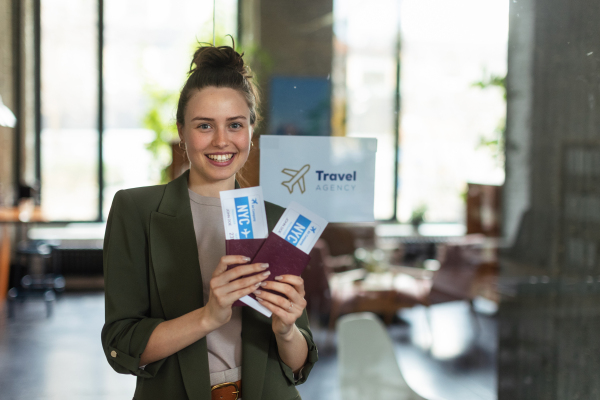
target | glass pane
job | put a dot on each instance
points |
(449, 125)
(365, 75)
(69, 109)
(148, 48)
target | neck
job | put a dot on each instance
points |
(198, 185)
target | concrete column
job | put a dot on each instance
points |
(549, 316)
(293, 38)
(518, 121)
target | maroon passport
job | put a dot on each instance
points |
(242, 247)
(283, 257)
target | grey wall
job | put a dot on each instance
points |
(550, 313)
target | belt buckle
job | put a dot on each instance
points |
(225, 384)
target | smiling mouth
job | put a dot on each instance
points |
(220, 157)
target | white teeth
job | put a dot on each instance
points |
(220, 157)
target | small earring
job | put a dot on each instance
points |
(251, 143)
(182, 147)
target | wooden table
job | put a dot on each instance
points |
(358, 290)
(12, 215)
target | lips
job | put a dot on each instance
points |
(220, 157)
(221, 160)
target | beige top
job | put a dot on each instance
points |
(225, 343)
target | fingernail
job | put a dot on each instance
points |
(263, 284)
(259, 299)
(266, 273)
(257, 292)
(278, 278)
(257, 284)
(264, 265)
(246, 258)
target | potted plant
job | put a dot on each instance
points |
(417, 217)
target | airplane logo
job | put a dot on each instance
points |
(297, 178)
(254, 201)
(313, 229)
(245, 232)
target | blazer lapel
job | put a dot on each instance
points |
(174, 253)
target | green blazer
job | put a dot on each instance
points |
(152, 274)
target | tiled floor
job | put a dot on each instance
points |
(61, 357)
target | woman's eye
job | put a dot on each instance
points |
(236, 125)
(204, 126)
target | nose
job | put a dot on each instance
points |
(220, 137)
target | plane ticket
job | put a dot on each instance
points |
(244, 213)
(300, 226)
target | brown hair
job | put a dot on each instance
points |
(220, 67)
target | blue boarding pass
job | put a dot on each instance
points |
(244, 214)
(300, 227)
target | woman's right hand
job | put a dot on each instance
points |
(225, 289)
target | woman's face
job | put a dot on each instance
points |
(217, 133)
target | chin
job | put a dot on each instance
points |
(209, 173)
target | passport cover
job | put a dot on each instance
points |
(242, 247)
(283, 257)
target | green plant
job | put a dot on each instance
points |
(160, 119)
(417, 216)
(496, 143)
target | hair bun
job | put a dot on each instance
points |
(219, 67)
(210, 57)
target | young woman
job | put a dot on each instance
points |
(169, 296)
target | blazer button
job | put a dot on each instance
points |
(113, 354)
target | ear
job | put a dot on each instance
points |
(180, 131)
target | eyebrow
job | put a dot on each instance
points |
(212, 119)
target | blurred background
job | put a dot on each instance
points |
(480, 277)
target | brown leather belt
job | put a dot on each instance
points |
(227, 391)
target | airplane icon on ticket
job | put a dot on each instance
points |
(297, 178)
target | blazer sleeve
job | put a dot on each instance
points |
(128, 324)
(312, 357)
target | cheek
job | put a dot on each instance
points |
(199, 141)
(243, 141)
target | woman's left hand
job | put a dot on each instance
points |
(285, 311)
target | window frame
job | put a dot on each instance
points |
(100, 112)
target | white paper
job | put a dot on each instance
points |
(257, 306)
(300, 227)
(330, 175)
(244, 214)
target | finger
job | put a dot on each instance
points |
(283, 315)
(227, 261)
(243, 270)
(233, 274)
(231, 297)
(250, 281)
(288, 290)
(290, 306)
(293, 280)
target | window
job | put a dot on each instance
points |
(69, 94)
(426, 156)
(146, 49)
(446, 48)
(365, 85)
